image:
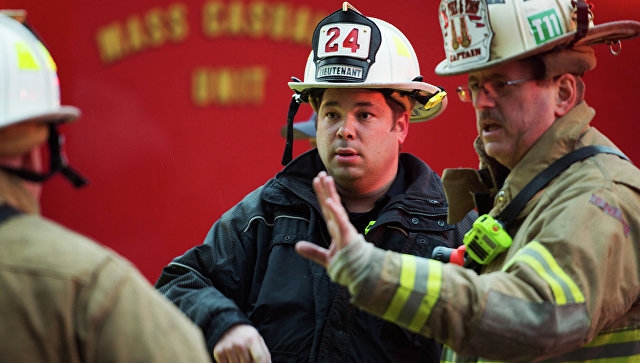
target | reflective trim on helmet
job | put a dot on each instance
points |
(25, 59)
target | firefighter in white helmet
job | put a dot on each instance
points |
(253, 296)
(357, 54)
(64, 298)
(552, 269)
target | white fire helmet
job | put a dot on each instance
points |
(351, 50)
(30, 88)
(30, 91)
(483, 33)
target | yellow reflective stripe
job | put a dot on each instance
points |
(614, 347)
(434, 283)
(407, 280)
(629, 358)
(401, 48)
(26, 61)
(52, 65)
(575, 292)
(417, 293)
(540, 259)
(449, 356)
(617, 337)
(611, 347)
(558, 291)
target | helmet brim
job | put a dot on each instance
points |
(407, 86)
(63, 114)
(301, 130)
(418, 113)
(603, 33)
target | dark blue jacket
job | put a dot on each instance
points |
(247, 271)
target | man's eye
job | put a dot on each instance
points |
(499, 85)
(474, 87)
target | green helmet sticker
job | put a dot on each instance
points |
(545, 26)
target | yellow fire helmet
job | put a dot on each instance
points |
(483, 33)
(30, 88)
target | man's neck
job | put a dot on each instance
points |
(15, 192)
(356, 202)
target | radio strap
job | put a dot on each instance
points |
(512, 210)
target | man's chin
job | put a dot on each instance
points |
(494, 150)
(344, 173)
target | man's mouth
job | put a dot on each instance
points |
(345, 152)
(346, 155)
(490, 127)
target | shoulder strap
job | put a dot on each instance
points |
(536, 184)
(7, 211)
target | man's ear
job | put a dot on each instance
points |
(18, 139)
(566, 93)
(402, 127)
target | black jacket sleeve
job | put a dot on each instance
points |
(210, 283)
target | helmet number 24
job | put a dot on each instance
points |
(351, 40)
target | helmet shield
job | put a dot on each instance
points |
(346, 44)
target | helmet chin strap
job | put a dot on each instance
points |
(57, 163)
(296, 100)
(583, 15)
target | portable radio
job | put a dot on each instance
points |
(486, 239)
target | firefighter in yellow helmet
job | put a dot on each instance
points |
(552, 269)
(63, 297)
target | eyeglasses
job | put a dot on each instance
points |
(493, 89)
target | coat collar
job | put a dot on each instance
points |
(14, 193)
(564, 136)
(418, 187)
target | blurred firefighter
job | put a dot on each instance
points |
(64, 298)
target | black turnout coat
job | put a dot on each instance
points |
(247, 271)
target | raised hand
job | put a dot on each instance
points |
(340, 228)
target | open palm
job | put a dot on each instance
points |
(340, 228)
